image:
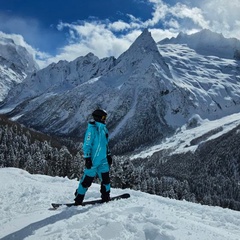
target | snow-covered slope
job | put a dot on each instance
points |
(8, 77)
(149, 91)
(210, 85)
(25, 214)
(208, 43)
(15, 64)
(59, 78)
(195, 132)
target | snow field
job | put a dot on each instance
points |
(25, 202)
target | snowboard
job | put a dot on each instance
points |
(92, 202)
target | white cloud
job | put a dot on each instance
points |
(119, 26)
(159, 34)
(111, 38)
(160, 11)
(194, 14)
(93, 37)
(105, 38)
(223, 15)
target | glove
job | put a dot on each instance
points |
(109, 159)
(88, 163)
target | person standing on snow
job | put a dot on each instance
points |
(97, 157)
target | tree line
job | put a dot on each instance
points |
(210, 176)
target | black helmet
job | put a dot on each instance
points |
(99, 115)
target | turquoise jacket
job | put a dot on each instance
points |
(95, 143)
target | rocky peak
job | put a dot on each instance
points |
(142, 46)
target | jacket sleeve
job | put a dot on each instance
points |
(88, 143)
(107, 138)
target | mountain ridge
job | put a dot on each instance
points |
(173, 118)
(149, 91)
(208, 43)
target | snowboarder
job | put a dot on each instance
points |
(97, 157)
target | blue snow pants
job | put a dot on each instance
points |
(103, 173)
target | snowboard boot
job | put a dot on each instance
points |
(105, 196)
(79, 199)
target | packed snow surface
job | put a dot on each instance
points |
(25, 202)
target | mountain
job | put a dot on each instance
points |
(15, 64)
(173, 119)
(142, 216)
(149, 91)
(116, 85)
(59, 78)
(208, 43)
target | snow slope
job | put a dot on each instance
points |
(191, 135)
(25, 202)
(208, 43)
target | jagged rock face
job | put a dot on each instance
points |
(149, 91)
(15, 64)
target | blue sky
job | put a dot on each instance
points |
(65, 29)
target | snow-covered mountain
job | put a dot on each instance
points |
(25, 214)
(208, 43)
(149, 91)
(15, 64)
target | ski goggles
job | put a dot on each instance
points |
(104, 118)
